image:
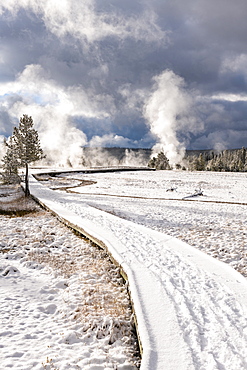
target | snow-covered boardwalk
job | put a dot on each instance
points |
(191, 309)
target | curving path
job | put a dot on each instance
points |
(191, 309)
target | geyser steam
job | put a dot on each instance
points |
(165, 109)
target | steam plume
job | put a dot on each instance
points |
(164, 111)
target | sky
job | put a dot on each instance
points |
(163, 74)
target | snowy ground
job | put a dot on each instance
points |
(193, 307)
(214, 222)
(63, 304)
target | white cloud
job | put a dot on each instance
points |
(81, 20)
(110, 140)
(220, 140)
(134, 98)
(236, 63)
(229, 97)
(35, 87)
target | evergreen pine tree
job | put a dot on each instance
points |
(10, 164)
(26, 146)
(161, 162)
(200, 163)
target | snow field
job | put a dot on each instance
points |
(63, 304)
(219, 229)
(192, 308)
(216, 186)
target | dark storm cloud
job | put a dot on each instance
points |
(103, 68)
(23, 41)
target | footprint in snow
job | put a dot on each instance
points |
(49, 309)
(63, 284)
(11, 271)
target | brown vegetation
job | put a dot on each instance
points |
(14, 203)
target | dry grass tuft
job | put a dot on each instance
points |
(96, 293)
(14, 203)
(104, 308)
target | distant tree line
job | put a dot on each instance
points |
(224, 161)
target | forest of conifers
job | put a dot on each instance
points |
(232, 160)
